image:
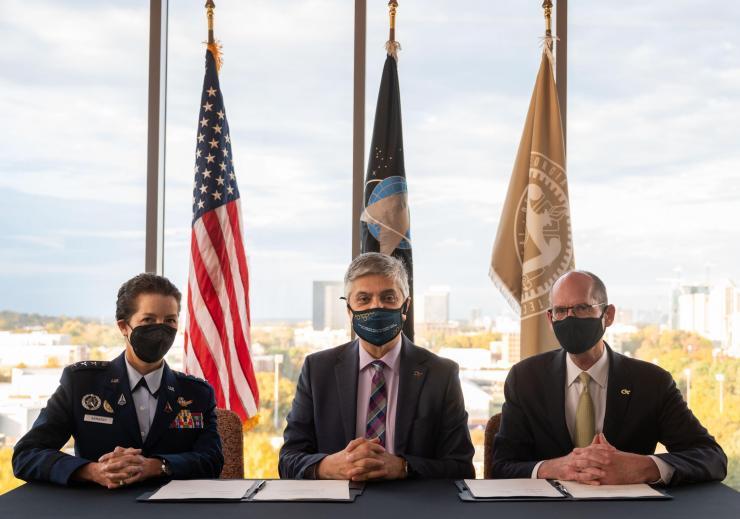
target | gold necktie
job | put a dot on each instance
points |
(584, 414)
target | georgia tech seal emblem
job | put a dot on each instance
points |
(542, 233)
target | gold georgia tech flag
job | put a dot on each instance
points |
(533, 245)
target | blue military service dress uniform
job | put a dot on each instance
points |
(94, 404)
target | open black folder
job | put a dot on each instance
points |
(261, 490)
(551, 490)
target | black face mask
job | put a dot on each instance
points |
(578, 335)
(151, 342)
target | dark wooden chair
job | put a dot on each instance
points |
(492, 428)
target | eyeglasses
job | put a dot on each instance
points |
(558, 313)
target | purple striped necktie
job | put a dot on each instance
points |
(377, 405)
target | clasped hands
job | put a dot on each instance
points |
(120, 467)
(601, 464)
(362, 460)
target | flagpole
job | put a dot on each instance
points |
(210, 7)
(392, 46)
(547, 6)
(213, 46)
(392, 6)
(561, 65)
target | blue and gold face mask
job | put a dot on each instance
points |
(378, 326)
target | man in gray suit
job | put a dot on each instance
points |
(378, 407)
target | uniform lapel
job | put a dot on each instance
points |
(118, 394)
(555, 399)
(410, 381)
(618, 395)
(345, 370)
(167, 407)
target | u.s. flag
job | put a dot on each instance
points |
(217, 332)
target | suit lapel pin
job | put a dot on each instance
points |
(171, 388)
(121, 400)
(107, 407)
(625, 391)
(416, 373)
(167, 408)
(114, 381)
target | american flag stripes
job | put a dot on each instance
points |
(217, 333)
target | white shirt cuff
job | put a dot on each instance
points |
(666, 470)
(537, 468)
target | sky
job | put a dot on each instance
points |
(653, 150)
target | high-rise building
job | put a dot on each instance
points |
(693, 308)
(329, 312)
(712, 311)
(437, 305)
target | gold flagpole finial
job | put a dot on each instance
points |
(547, 6)
(392, 46)
(392, 6)
(214, 47)
(210, 6)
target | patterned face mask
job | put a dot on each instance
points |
(378, 326)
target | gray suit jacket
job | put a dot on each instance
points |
(431, 422)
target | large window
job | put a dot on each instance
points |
(653, 119)
(287, 87)
(72, 174)
(654, 115)
(465, 75)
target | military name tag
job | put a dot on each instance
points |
(108, 420)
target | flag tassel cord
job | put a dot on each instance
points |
(392, 46)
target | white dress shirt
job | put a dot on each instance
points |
(599, 374)
(145, 402)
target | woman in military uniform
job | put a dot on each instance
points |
(132, 418)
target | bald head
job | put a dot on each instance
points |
(578, 286)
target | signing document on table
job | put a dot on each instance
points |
(301, 490)
(536, 489)
(203, 489)
(251, 490)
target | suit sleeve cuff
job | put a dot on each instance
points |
(536, 469)
(62, 470)
(666, 471)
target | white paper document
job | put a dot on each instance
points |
(583, 491)
(295, 490)
(203, 489)
(487, 488)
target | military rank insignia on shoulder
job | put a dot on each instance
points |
(180, 374)
(89, 364)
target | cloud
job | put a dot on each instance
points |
(654, 115)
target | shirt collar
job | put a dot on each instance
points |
(391, 359)
(153, 379)
(599, 372)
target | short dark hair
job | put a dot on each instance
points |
(145, 283)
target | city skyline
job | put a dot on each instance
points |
(652, 151)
